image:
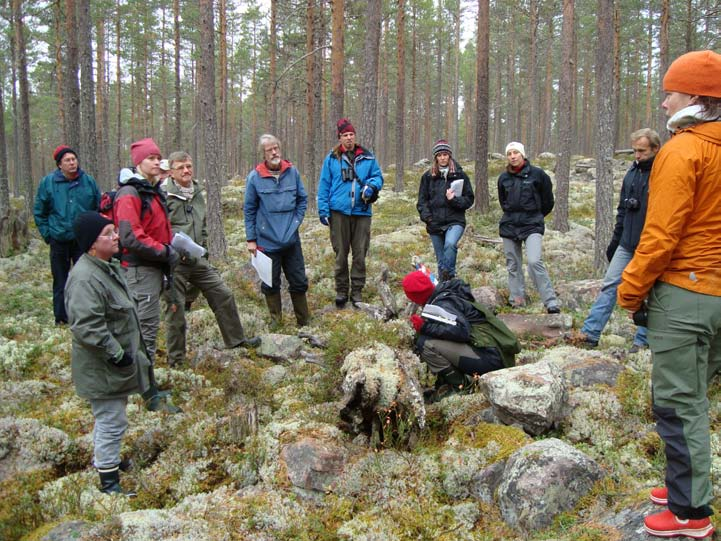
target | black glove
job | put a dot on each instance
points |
(126, 360)
(185, 257)
(640, 316)
(611, 250)
(173, 256)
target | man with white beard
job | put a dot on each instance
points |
(275, 203)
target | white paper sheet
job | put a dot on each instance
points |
(182, 241)
(264, 267)
(457, 187)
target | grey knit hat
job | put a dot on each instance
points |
(441, 146)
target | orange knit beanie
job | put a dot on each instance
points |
(697, 73)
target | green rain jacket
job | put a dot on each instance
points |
(105, 324)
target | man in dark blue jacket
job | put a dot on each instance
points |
(630, 218)
(349, 183)
(61, 196)
(275, 203)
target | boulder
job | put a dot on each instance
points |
(538, 325)
(67, 531)
(496, 156)
(378, 381)
(485, 483)
(530, 395)
(583, 368)
(280, 347)
(542, 480)
(546, 156)
(627, 525)
(578, 294)
(423, 163)
(488, 296)
(313, 464)
(584, 164)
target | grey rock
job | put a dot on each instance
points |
(579, 294)
(488, 296)
(530, 395)
(628, 523)
(496, 156)
(535, 325)
(280, 347)
(485, 483)
(591, 173)
(67, 531)
(582, 368)
(313, 464)
(542, 480)
(584, 164)
(546, 156)
(425, 162)
(274, 375)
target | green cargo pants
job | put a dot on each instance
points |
(207, 279)
(683, 334)
(350, 234)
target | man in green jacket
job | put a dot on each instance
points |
(61, 196)
(186, 212)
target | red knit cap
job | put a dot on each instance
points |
(61, 151)
(697, 73)
(418, 287)
(344, 126)
(140, 150)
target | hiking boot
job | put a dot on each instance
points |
(341, 300)
(666, 524)
(157, 403)
(659, 495)
(300, 308)
(587, 342)
(252, 342)
(356, 297)
(555, 309)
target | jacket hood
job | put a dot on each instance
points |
(708, 131)
(263, 170)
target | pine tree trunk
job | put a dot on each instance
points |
(209, 128)
(59, 38)
(533, 97)
(482, 200)
(104, 177)
(369, 97)
(604, 134)
(23, 169)
(565, 110)
(118, 92)
(273, 53)
(337, 62)
(664, 63)
(400, 95)
(4, 180)
(88, 141)
(177, 140)
(72, 87)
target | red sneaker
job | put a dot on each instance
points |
(659, 495)
(666, 524)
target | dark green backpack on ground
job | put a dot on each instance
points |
(494, 333)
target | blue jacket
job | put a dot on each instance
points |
(59, 200)
(345, 196)
(274, 208)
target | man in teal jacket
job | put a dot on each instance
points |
(349, 183)
(61, 196)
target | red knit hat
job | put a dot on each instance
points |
(344, 126)
(697, 73)
(140, 150)
(418, 287)
(61, 151)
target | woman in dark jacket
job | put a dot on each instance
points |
(109, 359)
(525, 193)
(444, 196)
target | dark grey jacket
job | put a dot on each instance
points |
(526, 197)
(631, 216)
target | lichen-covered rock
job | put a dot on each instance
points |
(15, 395)
(535, 325)
(529, 395)
(377, 380)
(485, 482)
(313, 464)
(67, 531)
(591, 417)
(542, 480)
(578, 294)
(280, 347)
(78, 495)
(627, 525)
(27, 444)
(488, 296)
(583, 368)
(153, 524)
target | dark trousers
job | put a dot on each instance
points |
(350, 234)
(61, 256)
(291, 261)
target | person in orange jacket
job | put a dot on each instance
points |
(674, 282)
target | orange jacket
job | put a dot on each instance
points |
(681, 240)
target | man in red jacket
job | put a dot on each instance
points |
(145, 235)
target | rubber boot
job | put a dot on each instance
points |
(300, 307)
(275, 307)
(110, 482)
(159, 401)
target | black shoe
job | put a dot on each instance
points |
(156, 403)
(340, 301)
(553, 309)
(637, 347)
(252, 342)
(589, 343)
